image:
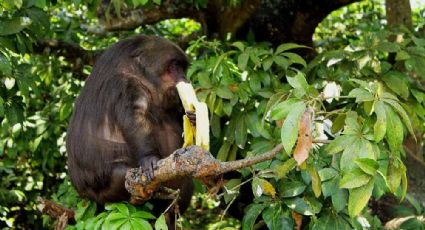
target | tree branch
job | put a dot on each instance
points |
(56, 211)
(73, 53)
(132, 18)
(192, 161)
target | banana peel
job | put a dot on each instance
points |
(200, 132)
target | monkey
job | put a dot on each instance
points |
(127, 115)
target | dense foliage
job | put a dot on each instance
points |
(361, 96)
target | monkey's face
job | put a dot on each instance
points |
(174, 73)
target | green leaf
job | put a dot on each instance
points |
(359, 198)
(350, 153)
(267, 63)
(122, 208)
(241, 132)
(231, 190)
(288, 46)
(275, 219)
(281, 61)
(251, 215)
(396, 81)
(339, 199)
(290, 127)
(299, 205)
(338, 123)
(243, 60)
(160, 223)
(390, 47)
(14, 25)
(403, 180)
(395, 134)
(340, 143)
(354, 179)
(224, 92)
(394, 175)
(298, 82)
(380, 126)
(291, 188)
(406, 120)
(330, 187)
(361, 95)
(224, 151)
(329, 221)
(5, 65)
(281, 170)
(327, 174)
(295, 58)
(40, 3)
(239, 45)
(281, 110)
(143, 215)
(367, 165)
(140, 224)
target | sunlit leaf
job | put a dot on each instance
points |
(380, 126)
(354, 179)
(359, 198)
(289, 131)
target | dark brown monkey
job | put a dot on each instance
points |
(128, 115)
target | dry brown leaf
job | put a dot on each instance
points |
(305, 139)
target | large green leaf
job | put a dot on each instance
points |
(14, 25)
(354, 179)
(288, 46)
(367, 165)
(251, 215)
(275, 219)
(291, 189)
(300, 205)
(380, 126)
(399, 109)
(330, 221)
(289, 131)
(339, 199)
(359, 198)
(396, 82)
(340, 143)
(395, 134)
(281, 110)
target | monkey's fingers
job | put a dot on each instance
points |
(192, 117)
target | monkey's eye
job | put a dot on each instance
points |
(176, 67)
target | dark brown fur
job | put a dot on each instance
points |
(128, 115)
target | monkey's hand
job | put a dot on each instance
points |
(149, 164)
(192, 117)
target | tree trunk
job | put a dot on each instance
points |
(398, 13)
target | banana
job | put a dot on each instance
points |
(191, 104)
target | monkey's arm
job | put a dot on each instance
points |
(136, 125)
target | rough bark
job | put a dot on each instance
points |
(399, 13)
(192, 161)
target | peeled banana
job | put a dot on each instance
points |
(191, 104)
